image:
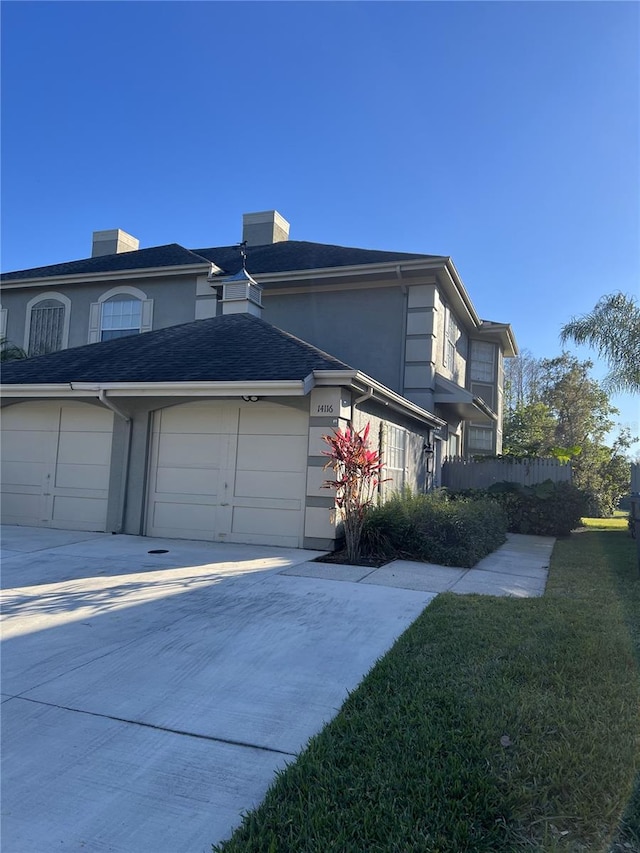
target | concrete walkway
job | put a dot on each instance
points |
(518, 568)
(148, 699)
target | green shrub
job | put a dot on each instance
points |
(435, 529)
(545, 509)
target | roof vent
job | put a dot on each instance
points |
(241, 294)
(113, 242)
(262, 229)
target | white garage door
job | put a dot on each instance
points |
(228, 472)
(55, 465)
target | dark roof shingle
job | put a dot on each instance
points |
(234, 348)
(271, 258)
(171, 255)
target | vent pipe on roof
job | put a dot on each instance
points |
(113, 242)
(264, 228)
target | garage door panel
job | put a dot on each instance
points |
(202, 418)
(56, 477)
(188, 517)
(181, 481)
(272, 453)
(20, 508)
(259, 451)
(26, 445)
(86, 448)
(274, 522)
(26, 474)
(87, 478)
(196, 451)
(41, 416)
(267, 484)
(272, 421)
(79, 513)
(86, 418)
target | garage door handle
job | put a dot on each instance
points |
(224, 504)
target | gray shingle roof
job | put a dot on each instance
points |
(272, 258)
(171, 255)
(234, 348)
(300, 255)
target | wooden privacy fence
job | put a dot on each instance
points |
(460, 473)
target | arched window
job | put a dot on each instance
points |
(120, 312)
(47, 323)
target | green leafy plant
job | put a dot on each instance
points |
(543, 509)
(10, 351)
(435, 529)
(357, 470)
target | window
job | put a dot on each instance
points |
(395, 458)
(450, 340)
(47, 324)
(482, 361)
(120, 318)
(120, 312)
(481, 438)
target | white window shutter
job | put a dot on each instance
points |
(94, 322)
(146, 324)
(3, 322)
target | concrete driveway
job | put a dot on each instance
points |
(148, 699)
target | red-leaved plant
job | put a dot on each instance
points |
(357, 475)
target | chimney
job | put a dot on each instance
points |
(262, 229)
(113, 243)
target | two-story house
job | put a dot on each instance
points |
(209, 424)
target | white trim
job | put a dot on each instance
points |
(291, 388)
(3, 322)
(123, 288)
(360, 381)
(95, 310)
(41, 297)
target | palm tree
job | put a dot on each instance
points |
(9, 351)
(613, 329)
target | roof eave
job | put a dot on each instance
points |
(81, 278)
(359, 381)
(392, 268)
(288, 388)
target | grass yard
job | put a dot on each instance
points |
(493, 724)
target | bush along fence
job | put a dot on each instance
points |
(460, 473)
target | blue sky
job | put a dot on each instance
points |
(504, 134)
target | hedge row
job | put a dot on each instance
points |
(546, 509)
(434, 529)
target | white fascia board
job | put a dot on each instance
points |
(361, 382)
(41, 390)
(293, 388)
(458, 295)
(110, 275)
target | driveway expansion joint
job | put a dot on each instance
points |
(211, 738)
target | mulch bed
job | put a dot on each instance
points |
(341, 557)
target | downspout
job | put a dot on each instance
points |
(358, 400)
(102, 396)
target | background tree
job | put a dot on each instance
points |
(567, 414)
(613, 329)
(529, 430)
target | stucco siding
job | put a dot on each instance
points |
(363, 330)
(173, 303)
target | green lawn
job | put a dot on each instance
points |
(493, 724)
